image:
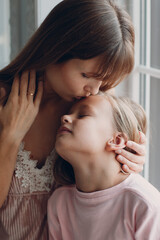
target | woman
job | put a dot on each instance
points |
(81, 47)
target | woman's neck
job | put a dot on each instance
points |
(49, 96)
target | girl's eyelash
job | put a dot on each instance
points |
(82, 115)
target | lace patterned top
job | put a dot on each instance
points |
(23, 214)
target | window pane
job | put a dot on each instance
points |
(44, 7)
(155, 34)
(4, 33)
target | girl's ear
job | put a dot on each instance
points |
(118, 141)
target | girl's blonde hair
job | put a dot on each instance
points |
(81, 29)
(129, 118)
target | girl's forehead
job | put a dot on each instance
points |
(95, 103)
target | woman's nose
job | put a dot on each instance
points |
(92, 90)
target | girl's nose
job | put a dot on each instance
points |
(66, 119)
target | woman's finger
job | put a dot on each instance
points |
(32, 84)
(138, 148)
(15, 88)
(39, 94)
(126, 164)
(143, 138)
(3, 94)
(24, 84)
(127, 170)
(131, 156)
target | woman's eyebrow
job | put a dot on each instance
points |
(95, 75)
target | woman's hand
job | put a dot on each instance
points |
(21, 108)
(133, 162)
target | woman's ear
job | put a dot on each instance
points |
(118, 141)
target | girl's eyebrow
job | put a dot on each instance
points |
(86, 107)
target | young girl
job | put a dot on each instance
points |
(104, 203)
(81, 47)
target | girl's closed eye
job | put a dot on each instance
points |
(82, 115)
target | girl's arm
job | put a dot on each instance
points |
(133, 162)
(16, 117)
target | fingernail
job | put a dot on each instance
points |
(142, 136)
(120, 157)
(126, 167)
(129, 144)
(118, 151)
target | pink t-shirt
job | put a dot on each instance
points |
(129, 210)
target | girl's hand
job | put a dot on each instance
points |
(21, 108)
(133, 162)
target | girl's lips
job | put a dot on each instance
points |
(63, 129)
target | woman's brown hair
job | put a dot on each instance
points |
(81, 29)
(128, 117)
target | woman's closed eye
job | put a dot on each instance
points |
(84, 75)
